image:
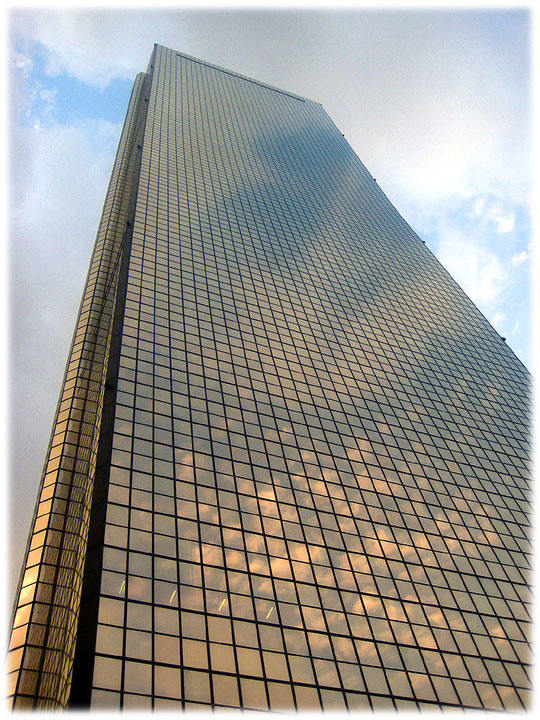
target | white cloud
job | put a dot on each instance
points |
(497, 319)
(94, 47)
(519, 258)
(59, 178)
(23, 63)
(431, 120)
(58, 184)
(30, 98)
(478, 207)
(48, 96)
(476, 268)
(504, 222)
(434, 103)
(483, 208)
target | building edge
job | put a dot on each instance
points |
(47, 601)
(80, 694)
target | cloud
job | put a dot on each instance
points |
(497, 319)
(435, 102)
(93, 47)
(504, 222)
(486, 209)
(48, 95)
(477, 207)
(476, 268)
(59, 179)
(440, 118)
(58, 183)
(33, 101)
(519, 258)
(23, 63)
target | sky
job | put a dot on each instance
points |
(436, 103)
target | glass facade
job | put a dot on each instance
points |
(310, 481)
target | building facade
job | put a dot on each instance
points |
(289, 464)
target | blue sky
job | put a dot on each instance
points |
(62, 99)
(436, 104)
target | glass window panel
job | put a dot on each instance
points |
(301, 670)
(167, 649)
(275, 666)
(225, 690)
(167, 682)
(194, 653)
(107, 673)
(137, 677)
(196, 686)
(350, 675)
(253, 694)
(222, 658)
(281, 697)
(375, 680)
(307, 698)
(139, 645)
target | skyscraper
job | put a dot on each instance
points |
(288, 467)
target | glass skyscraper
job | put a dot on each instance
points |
(289, 464)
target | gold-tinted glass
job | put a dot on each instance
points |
(320, 450)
